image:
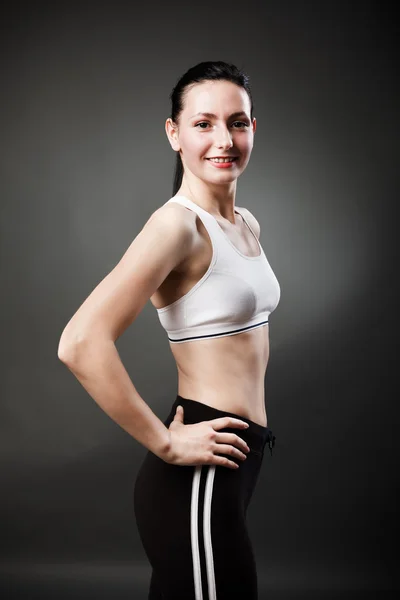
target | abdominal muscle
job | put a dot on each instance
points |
(226, 373)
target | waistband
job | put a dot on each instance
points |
(256, 435)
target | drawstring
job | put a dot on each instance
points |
(271, 443)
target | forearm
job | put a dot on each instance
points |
(98, 367)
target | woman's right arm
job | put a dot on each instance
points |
(87, 344)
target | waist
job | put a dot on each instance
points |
(256, 435)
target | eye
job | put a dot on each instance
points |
(240, 122)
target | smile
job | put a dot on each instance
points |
(220, 160)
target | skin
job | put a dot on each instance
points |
(168, 256)
(228, 372)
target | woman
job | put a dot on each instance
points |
(199, 260)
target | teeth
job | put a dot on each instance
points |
(221, 159)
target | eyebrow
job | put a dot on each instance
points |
(240, 113)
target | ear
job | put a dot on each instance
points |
(171, 130)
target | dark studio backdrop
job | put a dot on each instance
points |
(85, 161)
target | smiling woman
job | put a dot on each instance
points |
(215, 309)
(200, 262)
(199, 135)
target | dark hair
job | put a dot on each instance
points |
(204, 71)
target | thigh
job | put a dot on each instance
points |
(162, 506)
(192, 523)
(234, 559)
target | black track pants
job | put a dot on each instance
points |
(192, 519)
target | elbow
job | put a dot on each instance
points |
(66, 351)
(69, 346)
(75, 346)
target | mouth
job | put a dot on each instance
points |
(226, 158)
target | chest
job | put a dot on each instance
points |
(181, 280)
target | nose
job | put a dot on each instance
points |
(224, 139)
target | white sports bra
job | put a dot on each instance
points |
(236, 294)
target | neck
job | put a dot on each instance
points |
(219, 202)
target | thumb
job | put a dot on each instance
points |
(179, 414)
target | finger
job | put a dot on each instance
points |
(233, 439)
(179, 412)
(222, 422)
(224, 462)
(228, 449)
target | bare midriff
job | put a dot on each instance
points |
(227, 372)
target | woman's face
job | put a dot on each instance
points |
(230, 132)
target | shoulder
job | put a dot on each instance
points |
(177, 224)
(174, 214)
(254, 224)
(171, 224)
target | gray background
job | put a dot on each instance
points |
(85, 161)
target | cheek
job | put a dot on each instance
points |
(245, 143)
(194, 145)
